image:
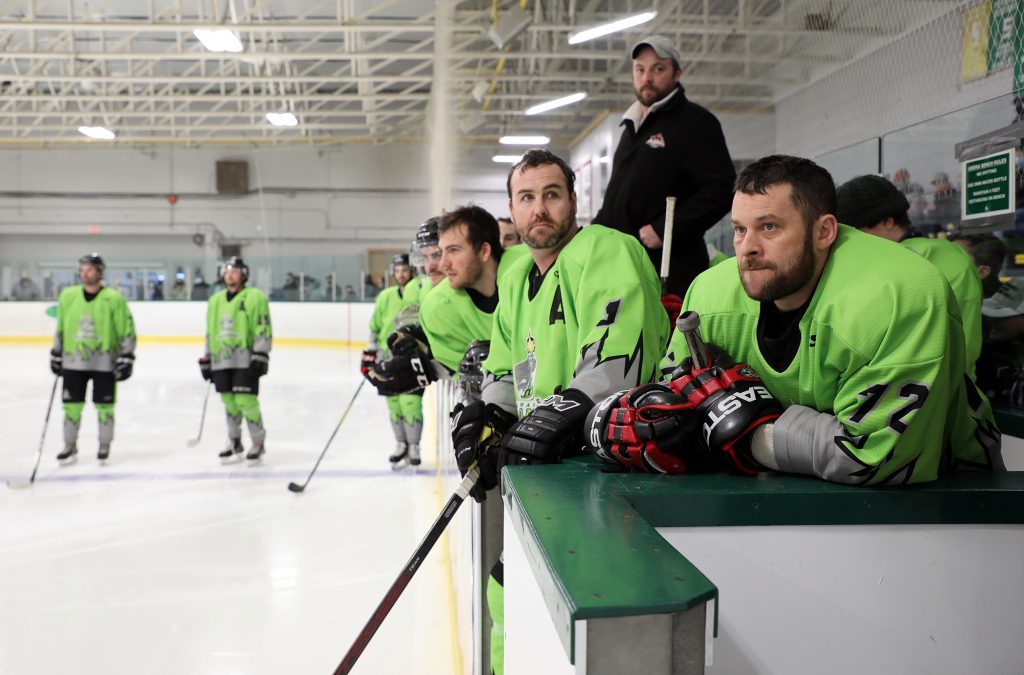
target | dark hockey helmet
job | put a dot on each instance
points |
(427, 234)
(237, 263)
(400, 259)
(471, 368)
(93, 259)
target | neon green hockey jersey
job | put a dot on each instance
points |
(595, 323)
(91, 335)
(236, 328)
(396, 307)
(958, 268)
(877, 392)
(451, 321)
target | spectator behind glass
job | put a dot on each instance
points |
(350, 294)
(200, 289)
(25, 289)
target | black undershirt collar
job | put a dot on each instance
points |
(778, 334)
(89, 297)
(485, 303)
(536, 280)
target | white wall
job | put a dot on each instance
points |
(914, 78)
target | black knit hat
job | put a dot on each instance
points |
(868, 200)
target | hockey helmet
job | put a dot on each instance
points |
(427, 234)
(95, 260)
(237, 263)
(400, 259)
(471, 369)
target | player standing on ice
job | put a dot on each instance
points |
(238, 340)
(95, 340)
(395, 307)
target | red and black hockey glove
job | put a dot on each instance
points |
(648, 429)
(366, 362)
(206, 369)
(732, 402)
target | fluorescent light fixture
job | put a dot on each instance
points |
(557, 103)
(506, 159)
(99, 133)
(524, 140)
(221, 40)
(612, 27)
(604, 159)
(285, 119)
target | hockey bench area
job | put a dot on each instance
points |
(627, 573)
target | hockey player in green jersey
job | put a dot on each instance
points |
(858, 343)
(578, 319)
(238, 341)
(458, 311)
(397, 306)
(875, 206)
(95, 340)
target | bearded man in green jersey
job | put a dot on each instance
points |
(238, 341)
(859, 345)
(95, 340)
(875, 206)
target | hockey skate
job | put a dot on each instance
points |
(233, 452)
(69, 455)
(256, 451)
(104, 452)
(414, 455)
(400, 459)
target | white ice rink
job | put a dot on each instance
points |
(164, 561)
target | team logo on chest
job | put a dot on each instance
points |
(524, 374)
(656, 141)
(86, 328)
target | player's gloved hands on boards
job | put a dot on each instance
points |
(409, 340)
(259, 364)
(477, 430)
(401, 374)
(205, 368)
(56, 362)
(123, 367)
(366, 362)
(554, 428)
(649, 428)
(732, 401)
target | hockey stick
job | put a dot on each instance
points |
(192, 442)
(295, 487)
(391, 597)
(21, 483)
(666, 248)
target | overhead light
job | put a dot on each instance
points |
(524, 140)
(604, 159)
(99, 133)
(557, 103)
(221, 40)
(506, 159)
(285, 119)
(612, 27)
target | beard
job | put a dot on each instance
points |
(560, 232)
(785, 282)
(648, 96)
(474, 270)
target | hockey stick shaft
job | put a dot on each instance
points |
(333, 434)
(391, 597)
(202, 417)
(46, 424)
(666, 246)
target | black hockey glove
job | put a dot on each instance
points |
(410, 340)
(732, 401)
(477, 430)
(366, 362)
(205, 368)
(401, 375)
(259, 364)
(554, 428)
(123, 367)
(56, 362)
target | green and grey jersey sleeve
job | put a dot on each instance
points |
(91, 335)
(236, 328)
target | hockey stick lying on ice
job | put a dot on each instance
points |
(391, 597)
(20, 483)
(295, 487)
(192, 442)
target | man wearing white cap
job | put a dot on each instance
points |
(670, 146)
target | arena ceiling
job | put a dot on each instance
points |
(364, 70)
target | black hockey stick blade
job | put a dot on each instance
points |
(405, 576)
(295, 487)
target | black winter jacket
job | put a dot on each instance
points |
(679, 151)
